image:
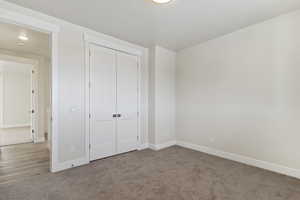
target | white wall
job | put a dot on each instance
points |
(71, 84)
(43, 86)
(162, 96)
(15, 103)
(240, 93)
(16, 85)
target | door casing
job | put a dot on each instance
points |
(13, 17)
(94, 40)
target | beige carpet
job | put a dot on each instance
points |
(171, 174)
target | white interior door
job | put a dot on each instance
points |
(102, 102)
(127, 102)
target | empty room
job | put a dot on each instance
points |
(149, 100)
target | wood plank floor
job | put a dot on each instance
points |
(19, 162)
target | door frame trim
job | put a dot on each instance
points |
(13, 17)
(94, 40)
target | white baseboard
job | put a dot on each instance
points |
(40, 140)
(15, 126)
(152, 146)
(16, 141)
(243, 159)
(143, 146)
(68, 165)
(157, 147)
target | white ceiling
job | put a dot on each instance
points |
(37, 44)
(176, 25)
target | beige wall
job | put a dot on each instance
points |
(162, 96)
(240, 93)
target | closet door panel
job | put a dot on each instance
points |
(127, 102)
(102, 102)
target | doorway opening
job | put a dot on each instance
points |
(25, 102)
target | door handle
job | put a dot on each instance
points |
(119, 115)
(115, 115)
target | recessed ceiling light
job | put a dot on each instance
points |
(161, 1)
(23, 37)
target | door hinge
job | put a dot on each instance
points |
(137, 137)
(32, 131)
(90, 116)
(89, 146)
(32, 91)
(89, 52)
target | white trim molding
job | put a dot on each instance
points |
(143, 146)
(157, 147)
(15, 126)
(69, 164)
(17, 141)
(93, 39)
(31, 22)
(243, 159)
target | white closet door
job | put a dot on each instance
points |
(127, 102)
(102, 102)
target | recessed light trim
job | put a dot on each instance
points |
(23, 37)
(161, 1)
